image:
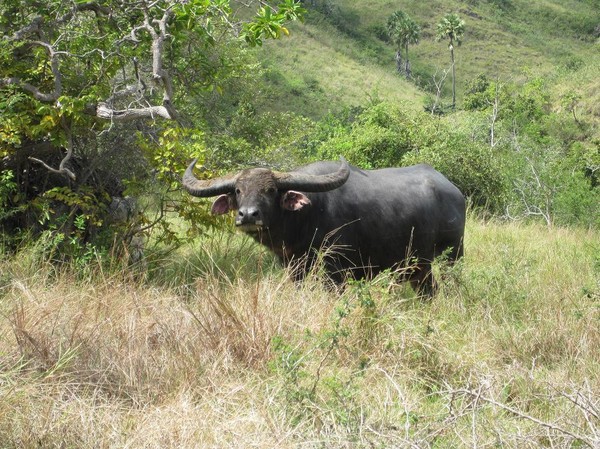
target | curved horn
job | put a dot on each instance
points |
(314, 183)
(208, 187)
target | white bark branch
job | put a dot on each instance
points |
(158, 30)
(103, 111)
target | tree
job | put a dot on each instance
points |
(403, 31)
(451, 27)
(74, 73)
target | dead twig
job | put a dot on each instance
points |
(592, 443)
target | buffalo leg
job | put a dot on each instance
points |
(422, 281)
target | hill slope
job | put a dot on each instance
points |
(338, 58)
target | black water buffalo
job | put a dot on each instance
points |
(370, 220)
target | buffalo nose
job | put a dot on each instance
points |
(248, 215)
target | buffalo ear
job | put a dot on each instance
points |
(222, 205)
(292, 200)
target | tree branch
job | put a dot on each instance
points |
(33, 27)
(159, 73)
(62, 167)
(37, 93)
(103, 111)
(158, 30)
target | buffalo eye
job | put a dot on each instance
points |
(271, 190)
(238, 191)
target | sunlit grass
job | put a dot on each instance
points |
(336, 59)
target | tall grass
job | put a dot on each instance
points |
(217, 348)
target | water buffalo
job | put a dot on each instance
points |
(372, 219)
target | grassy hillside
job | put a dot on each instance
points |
(221, 350)
(336, 58)
(323, 70)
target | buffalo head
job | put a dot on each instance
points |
(259, 194)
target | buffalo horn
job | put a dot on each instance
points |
(208, 187)
(313, 183)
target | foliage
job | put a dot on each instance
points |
(8, 187)
(508, 155)
(269, 24)
(78, 80)
(378, 137)
(260, 139)
(474, 168)
(386, 136)
(479, 93)
(550, 158)
(553, 186)
(450, 27)
(311, 389)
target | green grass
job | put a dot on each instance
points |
(217, 348)
(336, 59)
(323, 71)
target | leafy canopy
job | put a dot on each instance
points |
(403, 30)
(450, 27)
(86, 87)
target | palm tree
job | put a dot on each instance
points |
(403, 31)
(451, 27)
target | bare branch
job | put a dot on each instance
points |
(494, 117)
(124, 115)
(37, 93)
(160, 75)
(158, 44)
(62, 168)
(439, 84)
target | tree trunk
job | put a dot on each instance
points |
(399, 61)
(453, 75)
(407, 65)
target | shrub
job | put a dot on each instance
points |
(379, 137)
(553, 184)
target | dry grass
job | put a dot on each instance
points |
(505, 356)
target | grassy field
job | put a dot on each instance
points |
(217, 348)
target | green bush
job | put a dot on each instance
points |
(379, 137)
(553, 184)
(576, 202)
(539, 164)
(252, 138)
